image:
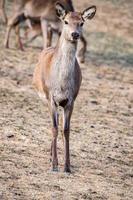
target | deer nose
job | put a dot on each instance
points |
(75, 35)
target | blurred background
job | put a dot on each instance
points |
(102, 122)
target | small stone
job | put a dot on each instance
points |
(10, 135)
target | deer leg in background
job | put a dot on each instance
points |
(28, 22)
(66, 131)
(31, 34)
(82, 49)
(2, 11)
(44, 26)
(49, 39)
(8, 30)
(18, 38)
(13, 22)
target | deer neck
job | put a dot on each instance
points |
(65, 56)
(63, 69)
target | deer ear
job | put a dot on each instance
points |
(60, 10)
(89, 13)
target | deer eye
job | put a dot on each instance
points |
(66, 22)
(81, 24)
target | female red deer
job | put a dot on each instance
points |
(58, 77)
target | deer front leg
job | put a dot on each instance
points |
(66, 132)
(54, 157)
(47, 34)
(6, 42)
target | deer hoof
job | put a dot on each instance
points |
(55, 169)
(67, 169)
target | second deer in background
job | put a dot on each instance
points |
(43, 11)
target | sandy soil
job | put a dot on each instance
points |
(102, 123)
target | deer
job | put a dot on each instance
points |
(57, 76)
(2, 11)
(44, 12)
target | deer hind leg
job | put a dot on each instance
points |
(82, 50)
(2, 11)
(13, 22)
(18, 38)
(66, 131)
(54, 157)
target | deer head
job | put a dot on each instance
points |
(73, 21)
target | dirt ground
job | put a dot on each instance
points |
(101, 139)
